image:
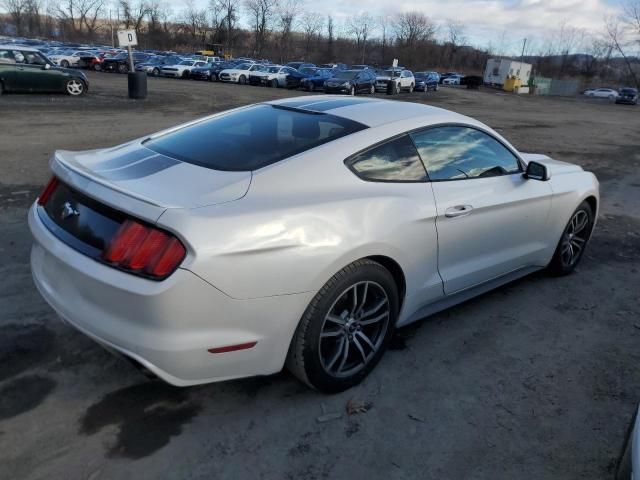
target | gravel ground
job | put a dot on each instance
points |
(538, 379)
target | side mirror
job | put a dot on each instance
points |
(537, 171)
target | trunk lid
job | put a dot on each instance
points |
(153, 178)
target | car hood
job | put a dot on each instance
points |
(556, 167)
(146, 175)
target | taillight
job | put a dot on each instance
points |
(48, 190)
(144, 250)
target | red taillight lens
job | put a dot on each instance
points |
(144, 250)
(48, 190)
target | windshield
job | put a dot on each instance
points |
(186, 62)
(308, 70)
(274, 69)
(345, 75)
(252, 137)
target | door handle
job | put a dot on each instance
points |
(458, 211)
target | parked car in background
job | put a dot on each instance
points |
(452, 80)
(317, 79)
(402, 80)
(66, 59)
(120, 63)
(24, 69)
(271, 76)
(299, 65)
(628, 96)
(426, 81)
(338, 66)
(216, 68)
(445, 75)
(90, 61)
(351, 82)
(239, 74)
(609, 93)
(203, 73)
(154, 64)
(181, 69)
(295, 78)
(358, 67)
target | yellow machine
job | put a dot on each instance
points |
(511, 83)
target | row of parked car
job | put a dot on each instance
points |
(627, 96)
(331, 78)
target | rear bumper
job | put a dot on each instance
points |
(166, 326)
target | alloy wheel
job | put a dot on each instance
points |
(75, 87)
(354, 329)
(575, 238)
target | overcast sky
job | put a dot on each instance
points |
(501, 23)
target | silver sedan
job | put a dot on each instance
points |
(300, 231)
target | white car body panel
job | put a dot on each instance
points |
(178, 70)
(73, 59)
(261, 244)
(233, 74)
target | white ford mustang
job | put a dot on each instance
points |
(299, 231)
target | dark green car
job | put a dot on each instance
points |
(24, 69)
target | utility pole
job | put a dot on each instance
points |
(524, 45)
(113, 42)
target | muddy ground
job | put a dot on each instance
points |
(536, 380)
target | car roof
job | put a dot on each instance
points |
(20, 47)
(372, 112)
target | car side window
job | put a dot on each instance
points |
(458, 153)
(6, 56)
(393, 161)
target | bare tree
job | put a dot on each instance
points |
(632, 16)
(261, 13)
(230, 11)
(359, 26)
(80, 16)
(311, 23)
(133, 13)
(619, 42)
(287, 13)
(383, 23)
(330, 37)
(454, 39)
(16, 10)
(411, 28)
(195, 23)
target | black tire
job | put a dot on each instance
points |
(64, 64)
(372, 90)
(75, 87)
(97, 67)
(185, 75)
(352, 91)
(242, 80)
(310, 87)
(561, 264)
(1, 88)
(156, 72)
(273, 83)
(624, 465)
(411, 88)
(122, 68)
(304, 357)
(398, 88)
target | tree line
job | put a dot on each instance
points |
(283, 30)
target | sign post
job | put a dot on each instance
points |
(137, 80)
(391, 84)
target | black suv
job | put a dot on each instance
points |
(352, 82)
(628, 96)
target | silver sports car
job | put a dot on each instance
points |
(299, 232)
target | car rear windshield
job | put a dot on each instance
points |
(253, 137)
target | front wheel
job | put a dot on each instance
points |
(242, 80)
(310, 86)
(573, 241)
(346, 328)
(352, 91)
(372, 90)
(122, 68)
(156, 72)
(398, 89)
(97, 67)
(411, 88)
(75, 87)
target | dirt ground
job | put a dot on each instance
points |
(536, 380)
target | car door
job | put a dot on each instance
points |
(490, 219)
(7, 69)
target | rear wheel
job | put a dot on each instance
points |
(573, 241)
(97, 67)
(75, 87)
(346, 328)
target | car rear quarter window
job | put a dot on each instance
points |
(393, 161)
(459, 153)
(251, 138)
